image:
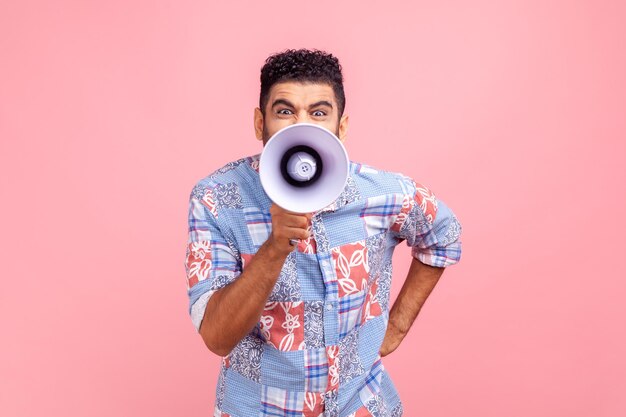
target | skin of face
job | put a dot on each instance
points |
(295, 102)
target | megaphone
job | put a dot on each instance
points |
(303, 168)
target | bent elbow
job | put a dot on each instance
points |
(214, 342)
(218, 350)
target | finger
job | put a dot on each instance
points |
(297, 233)
(291, 220)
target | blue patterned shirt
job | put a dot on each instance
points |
(315, 349)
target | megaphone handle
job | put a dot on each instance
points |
(294, 242)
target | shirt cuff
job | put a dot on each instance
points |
(198, 308)
(440, 257)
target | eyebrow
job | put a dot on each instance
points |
(321, 103)
(289, 104)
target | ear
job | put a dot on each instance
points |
(258, 123)
(343, 128)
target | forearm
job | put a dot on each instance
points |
(234, 310)
(419, 283)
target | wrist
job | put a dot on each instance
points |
(276, 250)
(398, 328)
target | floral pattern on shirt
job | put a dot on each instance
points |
(287, 287)
(282, 325)
(313, 404)
(349, 363)
(228, 196)
(352, 267)
(198, 262)
(208, 200)
(371, 307)
(427, 202)
(384, 285)
(313, 324)
(332, 353)
(375, 255)
(245, 358)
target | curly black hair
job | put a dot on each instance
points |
(302, 65)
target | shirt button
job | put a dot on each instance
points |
(329, 307)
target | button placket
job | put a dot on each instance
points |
(330, 317)
(324, 258)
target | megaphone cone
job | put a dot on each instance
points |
(303, 168)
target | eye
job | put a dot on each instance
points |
(284, 111)
(319, 113)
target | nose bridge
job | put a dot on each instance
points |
(303, 115)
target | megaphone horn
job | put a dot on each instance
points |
(303, 167)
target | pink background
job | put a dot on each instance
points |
(513, 114)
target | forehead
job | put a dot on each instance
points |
(301, 93)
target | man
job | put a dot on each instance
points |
(302, 328)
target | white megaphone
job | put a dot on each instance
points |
(303, 168)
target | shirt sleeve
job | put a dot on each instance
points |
(428, 225)
(210, 262)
